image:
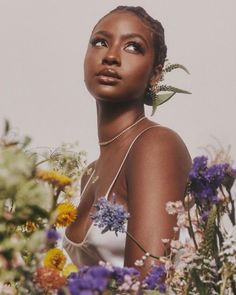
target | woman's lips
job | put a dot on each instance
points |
(108, 76)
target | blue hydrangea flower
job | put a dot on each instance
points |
(110, 216)
(155, 280)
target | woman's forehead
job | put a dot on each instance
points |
(124, 23)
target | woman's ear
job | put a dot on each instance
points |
(156, 74)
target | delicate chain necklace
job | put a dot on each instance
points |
(102, 143)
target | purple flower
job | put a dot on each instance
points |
(88, 281)
(119, 274)
(110, 216)
(52, 235)
(204, 181)
(155, 280)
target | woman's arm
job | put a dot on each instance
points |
(156, 172)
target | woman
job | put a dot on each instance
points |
(144, 164)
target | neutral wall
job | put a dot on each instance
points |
(42, 45)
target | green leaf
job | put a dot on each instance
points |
(208, 246)
(201, 287)
(172, 67)
(173, 89)
(160, 99)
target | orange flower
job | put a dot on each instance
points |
(49, 279)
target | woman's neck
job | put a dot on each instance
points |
(114, 118)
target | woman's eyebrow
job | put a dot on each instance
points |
(125, 36)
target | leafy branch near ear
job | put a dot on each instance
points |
(165, 92)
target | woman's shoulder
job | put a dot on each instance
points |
(159, 141)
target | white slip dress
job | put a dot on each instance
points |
(95, 247)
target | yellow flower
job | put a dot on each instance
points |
(66, 213)
(69, 268)
(54, 178)
(55, 259)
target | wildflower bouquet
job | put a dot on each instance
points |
(34, 201)
(201, 263)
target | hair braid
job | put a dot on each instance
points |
(155, 26)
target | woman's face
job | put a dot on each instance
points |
(119, 61)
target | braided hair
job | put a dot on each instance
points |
(155, 26)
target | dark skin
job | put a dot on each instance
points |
(158, 164)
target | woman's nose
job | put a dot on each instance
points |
(112, 57)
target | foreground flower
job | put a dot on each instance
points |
(155, 280)
(52, 235)
(55, 258)
(204, 180)
(69, 268)
(29, 226)
(127, 278)
(66, 213)
(54, 178)
(89, 280)
(49, 279)
(110, 216)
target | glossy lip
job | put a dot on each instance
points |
(109, 73)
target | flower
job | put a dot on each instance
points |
(54, 178)
(89, 280)
(55, 258)
(204, 181)
(29, 226)
(52, 235)
(49, 278)
(119, 274)
(69, 268)
(66, 213)
(110, 216)
(155, 280)
(7, 289)
(174, 207)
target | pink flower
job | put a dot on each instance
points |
(174, 207)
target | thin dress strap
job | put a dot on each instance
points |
(125, 157)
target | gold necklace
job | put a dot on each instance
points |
(102, 143)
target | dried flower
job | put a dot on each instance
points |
(66, 213)
(155, 280)
(49, 279)
(110, 216)
(54, 178)
(55, 258)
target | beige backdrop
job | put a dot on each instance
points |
(42, 45)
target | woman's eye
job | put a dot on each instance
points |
(98, 42)
(135, 47)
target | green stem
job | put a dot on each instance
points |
(222, 290)
(140, 246)
(41, 162)
(232, 213)
(191, 227)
